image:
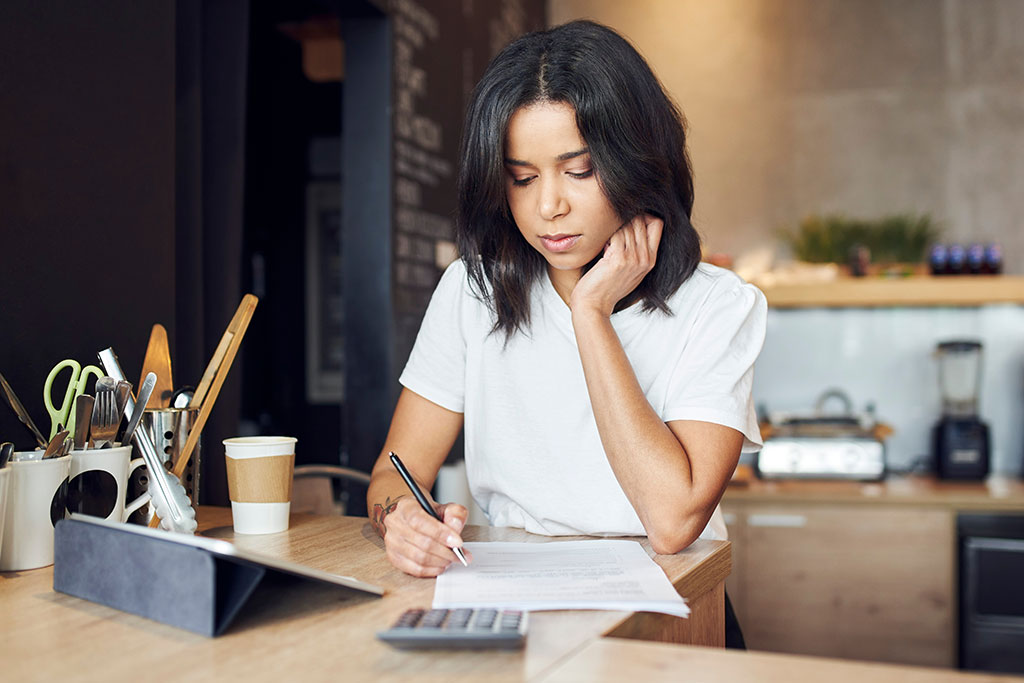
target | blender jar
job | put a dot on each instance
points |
(959, 377)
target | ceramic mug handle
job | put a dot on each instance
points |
(131, 507)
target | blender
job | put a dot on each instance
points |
(960, 440)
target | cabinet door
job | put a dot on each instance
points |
(851, 581)
(735, 520)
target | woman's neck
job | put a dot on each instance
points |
(564, 281)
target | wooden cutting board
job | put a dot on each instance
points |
(158, 361)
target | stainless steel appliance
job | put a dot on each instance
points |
(960, 440)
(823, 445)
(991, 628)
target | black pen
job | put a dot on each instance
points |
(421, 499)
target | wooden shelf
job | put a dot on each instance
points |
(954, 290)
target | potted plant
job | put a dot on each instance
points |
(897, 243)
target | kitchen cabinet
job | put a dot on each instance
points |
(844, 581)
(850, 570)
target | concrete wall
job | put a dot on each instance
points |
(863, 107)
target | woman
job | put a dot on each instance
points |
(601, 373)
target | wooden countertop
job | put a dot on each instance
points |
(307, 631)
(611, 659)
(994, 494)
(850, 292)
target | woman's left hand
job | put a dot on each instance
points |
(629, 255)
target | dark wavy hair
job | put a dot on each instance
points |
(637, 142)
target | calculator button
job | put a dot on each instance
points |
(409, 618)
(434, 618)
(461, 628)
(459, 619)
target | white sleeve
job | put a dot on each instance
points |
(436, 369)
(714, 374)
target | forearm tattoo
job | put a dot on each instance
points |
(382, 511)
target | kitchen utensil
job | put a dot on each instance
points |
(236, 329)
(158, 361)
(182, 397)
(169, 430)
(215, 362)
(83, 416)
(105, 418)
(124, 387)
(172, 509)
(19, 410)
(237, 326)
(233, 337)
(64, 414)
(144, 393)
(6, 449)
(55, 448)
(168, 495)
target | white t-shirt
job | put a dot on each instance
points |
(534, 458)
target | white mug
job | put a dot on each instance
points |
(98, 483)
(36, 499)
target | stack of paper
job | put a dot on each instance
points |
(593, 574)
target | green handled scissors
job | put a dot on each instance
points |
(65, 414)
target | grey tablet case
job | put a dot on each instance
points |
(194, 583)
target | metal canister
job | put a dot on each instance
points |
(169, 429)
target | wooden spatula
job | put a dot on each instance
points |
(220, 364)
(158, 361)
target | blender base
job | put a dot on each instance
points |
(960, 446)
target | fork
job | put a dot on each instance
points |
(106, 418)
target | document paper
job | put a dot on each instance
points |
(594, 574)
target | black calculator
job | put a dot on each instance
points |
(479, 628)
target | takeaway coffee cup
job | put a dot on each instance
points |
(99, 483)
(260, 482)
(36, 497)
(5, 477)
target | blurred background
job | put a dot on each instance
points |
(862, 162)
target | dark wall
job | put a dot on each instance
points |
(437, 51)
(440, 51)
(86, 188)
(96, 251)
(286, 111)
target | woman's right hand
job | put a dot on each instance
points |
(628, 257)
(420, 545)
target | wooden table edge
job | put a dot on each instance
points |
(704, 589)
